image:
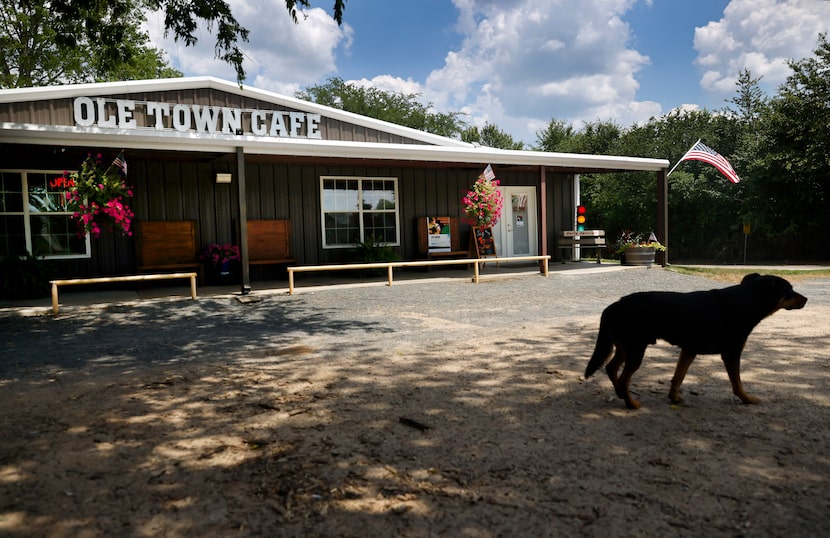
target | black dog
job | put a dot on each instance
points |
(701, 322)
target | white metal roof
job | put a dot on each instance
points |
(435, 148)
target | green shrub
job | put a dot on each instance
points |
(373, 251)
(24, 277)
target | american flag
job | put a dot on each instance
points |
(702, 152)
(488, 173)
(121, 163)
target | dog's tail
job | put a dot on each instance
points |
(603, 349)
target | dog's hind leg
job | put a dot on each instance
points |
(633, 360)
(683, 363)
(732, 361)
(613, 368)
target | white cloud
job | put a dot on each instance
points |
(525, 62)
(282, 56)
(521, 63)
(759, 35)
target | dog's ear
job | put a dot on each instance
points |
(750, 277)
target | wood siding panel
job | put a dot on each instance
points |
(206, 198)
(60, 112)
(170, 186)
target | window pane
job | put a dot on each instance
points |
(378, 194)
(47, 193)
(356, 209)
(340, 195)
(12, 236)
(342, 228)
(55, 235)
(381, 226)
(11, 192)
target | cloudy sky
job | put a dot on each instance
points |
(520, 63)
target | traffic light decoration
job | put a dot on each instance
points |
(580, 218)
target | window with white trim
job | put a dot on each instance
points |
(356, 209)
(34, 217)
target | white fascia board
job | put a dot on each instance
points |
(195, 83)
(301, 147)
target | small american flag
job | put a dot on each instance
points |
(121, 163)
(488, 173)
(702, 152)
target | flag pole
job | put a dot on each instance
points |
(683, 157)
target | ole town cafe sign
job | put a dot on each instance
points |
(130, 114)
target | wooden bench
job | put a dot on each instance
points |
(585, 239)
(166, 246)
(269, 242)
(453, 251)
(108, 279)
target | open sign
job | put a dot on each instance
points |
(62, 183)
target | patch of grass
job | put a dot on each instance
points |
(735, 275)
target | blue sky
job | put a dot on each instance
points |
(520, 63)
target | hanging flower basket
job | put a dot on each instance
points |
(482, 205)
(99, 197)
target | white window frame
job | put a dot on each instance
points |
(360, 210)
(27, 213)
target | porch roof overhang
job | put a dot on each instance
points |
(319, 150)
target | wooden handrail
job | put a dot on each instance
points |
(124, 278)
(389, 266)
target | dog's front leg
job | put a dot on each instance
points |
(732, 361)
(683, 363)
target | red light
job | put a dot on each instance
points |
(580, 210)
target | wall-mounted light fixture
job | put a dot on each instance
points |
(223, 178)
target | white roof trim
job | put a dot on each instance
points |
(154, 140)
(198, 83)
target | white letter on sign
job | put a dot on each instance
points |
(84, 111)
(125, 113)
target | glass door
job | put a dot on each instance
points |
(517, 227)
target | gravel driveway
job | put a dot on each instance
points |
(431, 409)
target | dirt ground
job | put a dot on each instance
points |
(493, 436)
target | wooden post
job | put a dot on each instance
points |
(243, 221)
(54, 298)
(543, 210)
(663, 215)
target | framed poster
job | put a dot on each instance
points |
(483, 241)
(438, 234)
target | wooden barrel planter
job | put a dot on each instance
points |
(638, 256)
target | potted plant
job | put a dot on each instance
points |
(220, 259)
(633, 250)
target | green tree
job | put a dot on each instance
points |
(490, 136)
(103, 22)
(791, 174)
(31, 53)
(557, 136)
(402, 109)
(749, 101)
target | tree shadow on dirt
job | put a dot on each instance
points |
(289, 431)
